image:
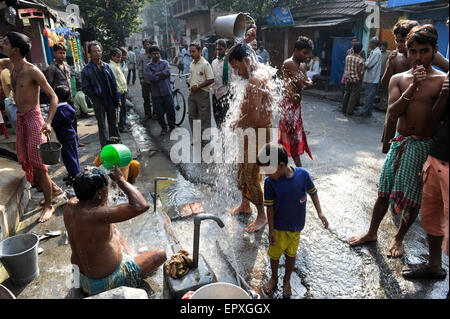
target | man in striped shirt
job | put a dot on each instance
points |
(354, 70)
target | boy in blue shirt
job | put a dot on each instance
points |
(285, 194)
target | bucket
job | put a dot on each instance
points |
(50, 152)
(220, 290)
(115, 154)
(19, 255)
(231, 26)
(5, 293)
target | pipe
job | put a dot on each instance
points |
(197, 221)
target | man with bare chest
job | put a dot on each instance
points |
(398, 62)
(291, 133)
(26, 81)
(412, 95)
(256, 115)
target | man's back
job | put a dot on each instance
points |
(95, 247)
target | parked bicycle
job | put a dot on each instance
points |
(179, 99)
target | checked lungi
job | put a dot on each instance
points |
(28, 139)
(401, 175)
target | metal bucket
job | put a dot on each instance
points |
(220, 290)
(19, 255)
(5, 293)
(231, 26)
(50, 152)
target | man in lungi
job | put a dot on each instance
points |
(291, 133)
(256, 115)
(26, 80)
(412, 95)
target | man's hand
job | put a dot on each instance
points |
(393, 55)
(419, 75)
(115, 173)
(272, 238)
(324, 220)
(195, 88)
(160, 74)
(46, 129)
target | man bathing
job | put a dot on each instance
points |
(412, 95)
(96, 241)
(26, 80)
(255, 114)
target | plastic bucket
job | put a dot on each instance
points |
(220, 290)
(50, 152)
(19, 255)
(231, 26)
(115, 154)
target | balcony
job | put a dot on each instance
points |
(183, 9)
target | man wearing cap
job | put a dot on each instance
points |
(371, 76)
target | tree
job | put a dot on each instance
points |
(111, 20)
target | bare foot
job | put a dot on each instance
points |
(270, 285)
(241, 209)
(256, 225)
(396, 249)
(287, 292)
(47, 212)
(362, 239)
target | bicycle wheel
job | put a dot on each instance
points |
(180, 107)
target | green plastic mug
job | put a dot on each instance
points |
(115, 154)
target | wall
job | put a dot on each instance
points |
(198, 25)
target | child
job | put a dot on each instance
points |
(285, 190)
(66, 134)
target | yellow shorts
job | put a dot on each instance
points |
(285, 241)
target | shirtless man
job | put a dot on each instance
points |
(412, 95)
(398, 62)
(96, 241)
(26, 80)
(255, 113)
(290, 128)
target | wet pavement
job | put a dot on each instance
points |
(347, 162)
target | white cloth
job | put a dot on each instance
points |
(373, 67)
(218, 87)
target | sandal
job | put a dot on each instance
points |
(422, 271)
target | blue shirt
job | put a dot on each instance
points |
(160, 85)
(288, 198)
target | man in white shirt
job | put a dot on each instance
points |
(221, 70)
(263, 53)
(131, 62)
(186, 58)
(372, 74)
(202, 77)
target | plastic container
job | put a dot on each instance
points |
(115, 154)
(50, 152)
(19, 255)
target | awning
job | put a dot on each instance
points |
(322, 23)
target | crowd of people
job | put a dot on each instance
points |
(414, 175)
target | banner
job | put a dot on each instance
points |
(280, 17)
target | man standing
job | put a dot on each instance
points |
(26, 80)
(99, 84)
(412, 95)
(158, 72)
(131, 62)
(263, 53)
(202, 77)
(58, 73)
(221, 70)
(205, 52)
(382, 91)
(143, 60)
(291, 133)
(103, 257)
(354, 71)
(371, 77)
(116, 55)
(350, 50)
(186, 58)
(256, 115)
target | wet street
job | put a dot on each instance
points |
(346, 166)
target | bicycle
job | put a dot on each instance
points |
(179, 99)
